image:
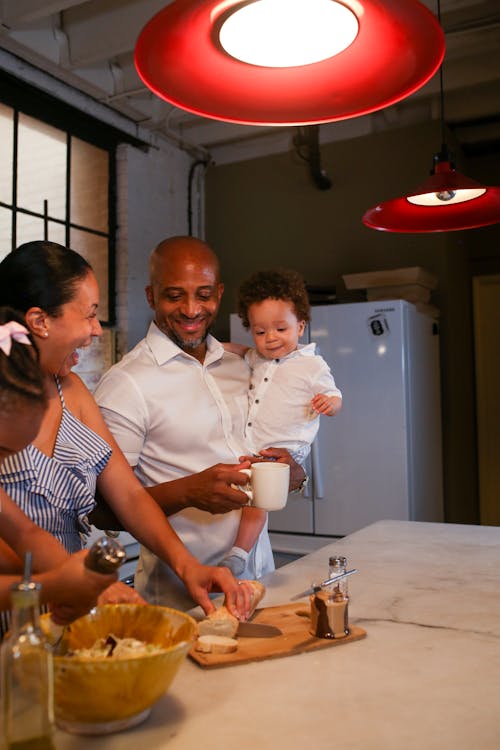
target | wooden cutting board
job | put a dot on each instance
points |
(293, 621)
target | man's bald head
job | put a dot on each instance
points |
(182, 251)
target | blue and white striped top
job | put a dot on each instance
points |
(57, 492)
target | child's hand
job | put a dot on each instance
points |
(328, 405)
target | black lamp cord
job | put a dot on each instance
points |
(194, 165)
(444, 154)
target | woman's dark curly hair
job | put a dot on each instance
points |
(280, 283)
(21, 379)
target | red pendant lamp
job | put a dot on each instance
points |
(447, 201)
(223, 58)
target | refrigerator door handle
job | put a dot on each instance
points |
(319, 492)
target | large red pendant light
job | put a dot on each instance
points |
(366, 55)
(447, 201)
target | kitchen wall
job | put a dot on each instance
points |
(152, 205)
(267, 212)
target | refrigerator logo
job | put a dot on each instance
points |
(378, 325)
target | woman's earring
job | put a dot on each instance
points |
(46, 334)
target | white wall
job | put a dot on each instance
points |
(152, 188)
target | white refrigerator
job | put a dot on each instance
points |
(381, 456)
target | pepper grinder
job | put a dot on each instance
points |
(105, 556)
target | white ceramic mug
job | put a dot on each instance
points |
(268, 486)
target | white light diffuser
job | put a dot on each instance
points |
(446, 196)
(282, 34)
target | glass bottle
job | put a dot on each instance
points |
(337, 564)
(26, 672)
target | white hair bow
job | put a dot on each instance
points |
(12, 331)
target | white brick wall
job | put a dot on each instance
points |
(152, 201)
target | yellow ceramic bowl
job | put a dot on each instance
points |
(93, 697)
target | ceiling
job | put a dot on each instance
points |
(90, 45)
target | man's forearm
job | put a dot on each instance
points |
(213, 490)
(172, 496)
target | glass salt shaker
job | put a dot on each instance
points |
(337, 564)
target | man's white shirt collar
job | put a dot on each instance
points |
(164, 349)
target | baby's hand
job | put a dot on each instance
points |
(328, 405)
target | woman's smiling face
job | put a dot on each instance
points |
(72, 329)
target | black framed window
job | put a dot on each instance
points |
(57, 181)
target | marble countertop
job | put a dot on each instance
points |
(426, 677)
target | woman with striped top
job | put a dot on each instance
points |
(70, 586)
(54, 479)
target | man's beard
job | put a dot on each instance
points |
(181, 343)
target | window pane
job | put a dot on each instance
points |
(6, 152)
(5, 232)
(95, 250)
(57, 233)
(28, 229)
(41, 171)
(89, 185)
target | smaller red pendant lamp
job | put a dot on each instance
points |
(447, 201)
(288, 62)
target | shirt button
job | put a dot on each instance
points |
(256, 400)
(251, 386)
(265, 380)
(276, 360)
(249, 424)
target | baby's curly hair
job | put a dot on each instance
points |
(279, 283)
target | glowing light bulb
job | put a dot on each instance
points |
(446, 195)
(288, 33)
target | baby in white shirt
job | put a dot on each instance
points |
(291, 385)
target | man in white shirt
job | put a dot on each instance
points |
(176, 405)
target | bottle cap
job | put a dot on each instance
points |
(24, 591)
(25, 594)
(337, 560)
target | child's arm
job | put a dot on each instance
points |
(328, 405)
(251, 524)
(328, 398)
(239, 349)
